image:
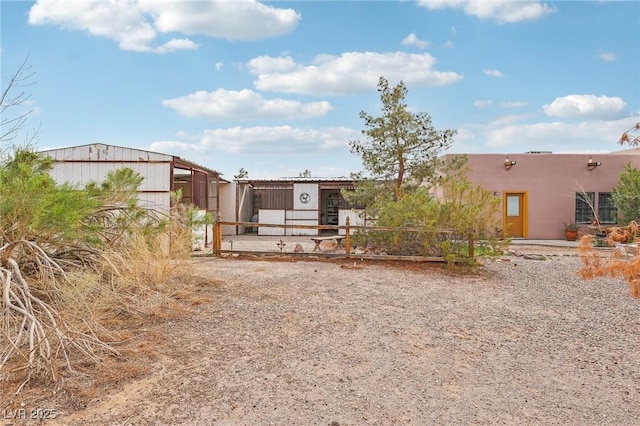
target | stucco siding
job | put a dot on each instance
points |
(550, 183)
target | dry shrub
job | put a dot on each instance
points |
(75, 264)
(74, 315)
(623, 262)
(138, 277)
(618, 235)
(34, 328)
(145, 272)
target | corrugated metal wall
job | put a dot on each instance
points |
(156, 175)
(82, 164)
(275, 217)
(301, 217)
(200, 191)
(158, 201)
(213, 195)
(273, 197)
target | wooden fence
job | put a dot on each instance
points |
(349, 232)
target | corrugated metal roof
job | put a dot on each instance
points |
(297, 180)
(98, 146)
(178, 162)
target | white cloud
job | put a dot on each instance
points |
(493, 73)
(136, 25)
(218, 66)
(118, 21)
(413, 40)
(264, 141)
(483, 104)
(450, 44)
(501, 11)
(269, 65)
(507, 120)
(488, 103)
(514, 104)
(573, 106)
(243, 105)
(607, 56)
(557, 136)
(175, 44)
(233, 20)
(352, 72)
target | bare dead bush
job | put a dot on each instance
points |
(34, 333)
(623, 262)
(62, 308)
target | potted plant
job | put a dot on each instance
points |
(571, 231)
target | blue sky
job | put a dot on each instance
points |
(276, 87)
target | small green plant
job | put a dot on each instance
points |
(487, 248)
(571, 227)
(626, 194)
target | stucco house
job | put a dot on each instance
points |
(540, 191)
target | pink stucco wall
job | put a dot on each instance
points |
(550, 182)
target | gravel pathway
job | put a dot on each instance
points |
(320, 343)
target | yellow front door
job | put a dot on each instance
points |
(514, 212)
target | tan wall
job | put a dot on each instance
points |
(228, 206)
(550, 182)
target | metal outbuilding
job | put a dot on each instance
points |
(162, 173)
(293, 201)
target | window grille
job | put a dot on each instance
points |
(584, 201)
(607, 212)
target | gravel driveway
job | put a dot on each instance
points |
(322, 343)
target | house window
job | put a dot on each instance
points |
(607, 212)
(584, 202)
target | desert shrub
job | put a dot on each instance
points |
(440, 224)
(626, 194)
(412, 226)
(465, 206)
(73, 260)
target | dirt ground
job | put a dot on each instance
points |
(306, 342)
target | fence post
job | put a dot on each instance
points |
(219, 231)
(217, 235)
(347, 239)
(471, 244)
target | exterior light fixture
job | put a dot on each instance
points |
(508, 163)
(593, 164)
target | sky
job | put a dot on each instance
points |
(276, 88)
